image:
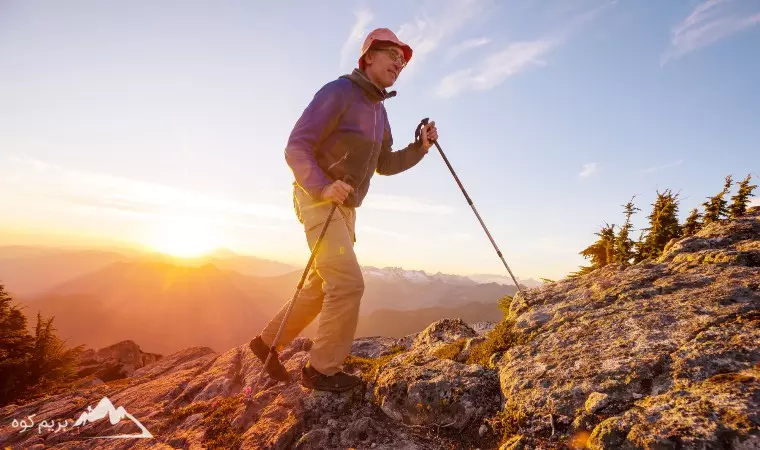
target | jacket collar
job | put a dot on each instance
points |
(373, 92)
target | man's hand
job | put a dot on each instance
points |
(337, 192)
(429, 133)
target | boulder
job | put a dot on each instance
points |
(437, 392)
(372, 347)
(116, 361)
(443, 332)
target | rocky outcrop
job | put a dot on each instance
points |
(372, 347)
(433, 392)
(115, 361)
(482, 328)
(663, 354)
(199, 399)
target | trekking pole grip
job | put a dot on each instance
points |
(418, 131)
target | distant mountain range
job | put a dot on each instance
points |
(504, 279)
(420, 276)
(166, 304)
(21, 266)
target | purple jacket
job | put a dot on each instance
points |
(344, 131)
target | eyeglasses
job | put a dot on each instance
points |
(395, 57)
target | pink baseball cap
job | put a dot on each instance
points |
(383, 35)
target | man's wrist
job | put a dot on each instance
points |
(322, 192)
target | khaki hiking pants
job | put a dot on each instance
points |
(334, 286)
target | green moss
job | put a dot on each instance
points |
(507, 422)
(505, 303)
(500, 339)
(736, 422)
(121, 382)
(713, 257)
(370, 367)
(452, 350)
(220, 433)
(180, 414)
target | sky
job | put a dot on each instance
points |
(163, 124)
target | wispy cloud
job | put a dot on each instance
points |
(465, 46)
(404, 204)
(710, 22)
(588, 169)
(117, 195)
(516, 57)
(349, 53)
(662, 167)
(434, 24)
(495, 68)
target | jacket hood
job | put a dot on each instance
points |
(375, 94)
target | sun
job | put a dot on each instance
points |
(185, 237)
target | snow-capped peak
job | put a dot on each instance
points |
(414, 276)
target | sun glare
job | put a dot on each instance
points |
(183, 237)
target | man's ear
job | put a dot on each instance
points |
(369, 57)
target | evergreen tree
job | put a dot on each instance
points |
(664, 224)
(740, 201)
(51, 362)
(15, 345)
(30, 363)
(624, 244)
(601, 252)
(692, 224)
(638, 248)
(715, 207)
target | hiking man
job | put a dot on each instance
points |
(340, 140)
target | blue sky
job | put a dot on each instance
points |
(142, 122)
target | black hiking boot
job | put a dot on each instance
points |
(275, 369)
(340, 382)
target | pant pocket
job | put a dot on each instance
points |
(312, 214)
(296, 206)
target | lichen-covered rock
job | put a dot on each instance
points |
(428, 391)
(719, 412)
(372, 347)
(199, 399)
(467, 348)
(483, 327)
(596, 401)
(662, 354)
(407, 341)
(115, 361)
(442, 332)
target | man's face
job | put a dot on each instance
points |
(385, 64)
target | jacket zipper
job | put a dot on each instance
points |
(343, 158)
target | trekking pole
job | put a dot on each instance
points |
(273, 347)
(469, 201)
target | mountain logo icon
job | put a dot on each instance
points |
(115, 415)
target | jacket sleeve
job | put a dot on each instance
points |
(316, 122)
(390, 162)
